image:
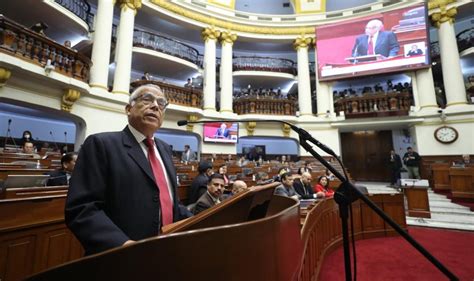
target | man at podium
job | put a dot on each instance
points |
(375, 41)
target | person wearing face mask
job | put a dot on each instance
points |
(124, 184)
(27, 136)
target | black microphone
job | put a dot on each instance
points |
(9, 121)
(298, 130)
(52, 137)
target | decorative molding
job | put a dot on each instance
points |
(230, 5)
(286, 130)
(228, 37)
(167, 5)
(251, 128)
(445, 14)
(69, 98)
(210, 33)
(4, 76)
(131, 4)
(191, 118)
(302, 42)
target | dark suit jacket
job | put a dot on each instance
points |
(414, 53)
(396, 164)
(198, 188)
(58, 177)
(112, 194)
(205, 202)
(220, 133)
(304, 191)
(386, 45)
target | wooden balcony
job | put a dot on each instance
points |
(176, 95)
(264, 106)
(23, 43)
(375, 105)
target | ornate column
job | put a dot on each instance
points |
(426, 91)
(301, 45)
(99, 72)
(128, 9)
(210, 35)
(227, 40)
(450, 64)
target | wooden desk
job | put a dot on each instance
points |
(462, 183)
(441, 176)
(417, 200)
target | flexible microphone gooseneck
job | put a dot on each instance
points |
(52, 137)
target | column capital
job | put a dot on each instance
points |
(251, 128)
(228, 37)
(191, 118)
(210, 33)
(4, 76)
(131, 4)
(286, 130)
(69, 98)
(302, 42)
(444, 14)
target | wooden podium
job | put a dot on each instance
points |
(417, 200)
(243, 238)
(462, 183)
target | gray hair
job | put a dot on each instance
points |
(142, 88)
(377, 23)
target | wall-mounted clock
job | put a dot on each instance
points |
(446, 134)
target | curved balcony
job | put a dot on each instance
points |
(18, 41)
(264, 106)
(165, 45)
(464, 40)
(375, 105)
(80, 8)
(189, 97)
(267, 64)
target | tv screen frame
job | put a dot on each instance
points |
(343, 61)
(214, 132)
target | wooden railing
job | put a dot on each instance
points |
(175, 95)
(80, 8)
(19, 41)
(264, 64)
(375, 105)
(264, 106)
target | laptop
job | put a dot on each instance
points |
(13, 181)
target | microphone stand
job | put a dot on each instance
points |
(348, 193)
(9, 134)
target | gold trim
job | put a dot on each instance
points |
(286, 130)
(231, 26)
(121, 93)
(302, 42)
(228, 37)
(191, 118)
(210, 33)
(5, 74)
(456, 103)
(251, 128)
(99, 86)
(231, 5)
(69, 98)
(444, 15)
(297, 5)
(131, 4)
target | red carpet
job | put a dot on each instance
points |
(394, 259)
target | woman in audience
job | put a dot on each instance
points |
(322, 189)
(223, 172)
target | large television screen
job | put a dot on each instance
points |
(391, 41)
(225, 132)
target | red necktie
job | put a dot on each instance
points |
(370, 48)
(160, 179)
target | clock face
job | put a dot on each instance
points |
(446, 134)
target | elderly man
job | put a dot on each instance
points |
(376, 41)
(303, 186)
(124, 185)
(215, 188)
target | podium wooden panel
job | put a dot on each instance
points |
(440, 173)
(417, 201)
(462, 183)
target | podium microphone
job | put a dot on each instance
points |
(8, 134)
(52, 137)
(301, 132)
(65, 141)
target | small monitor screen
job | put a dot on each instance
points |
(390, 41)
(225, 132)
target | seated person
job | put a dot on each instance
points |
(62, 176)
(199, 185)
(215, 188)
(222, 132)
(29, 148)
(286, 186)
(303, 186)
(414, 51)
(238, 186)
(322, 188)
(262, 178)
(223, 173)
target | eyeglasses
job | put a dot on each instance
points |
(147, 99)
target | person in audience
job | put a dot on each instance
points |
(414, 51)
(262, 178)
(376, 41)
(329, 175)
(39, 27)
(238, 186)
(303, 186)
(188, 155)
(215, 188)
(68, 44)
(242, 162)
(322, 188)
(286, 187)
(412, 162)
(27, 136)
(63, 175)
(395, 164)
(29, 148)
(124, 184)
(199, 185)
(146, 76)
(189, 83)
(466, 159)
(223, 172)
(222, 132)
